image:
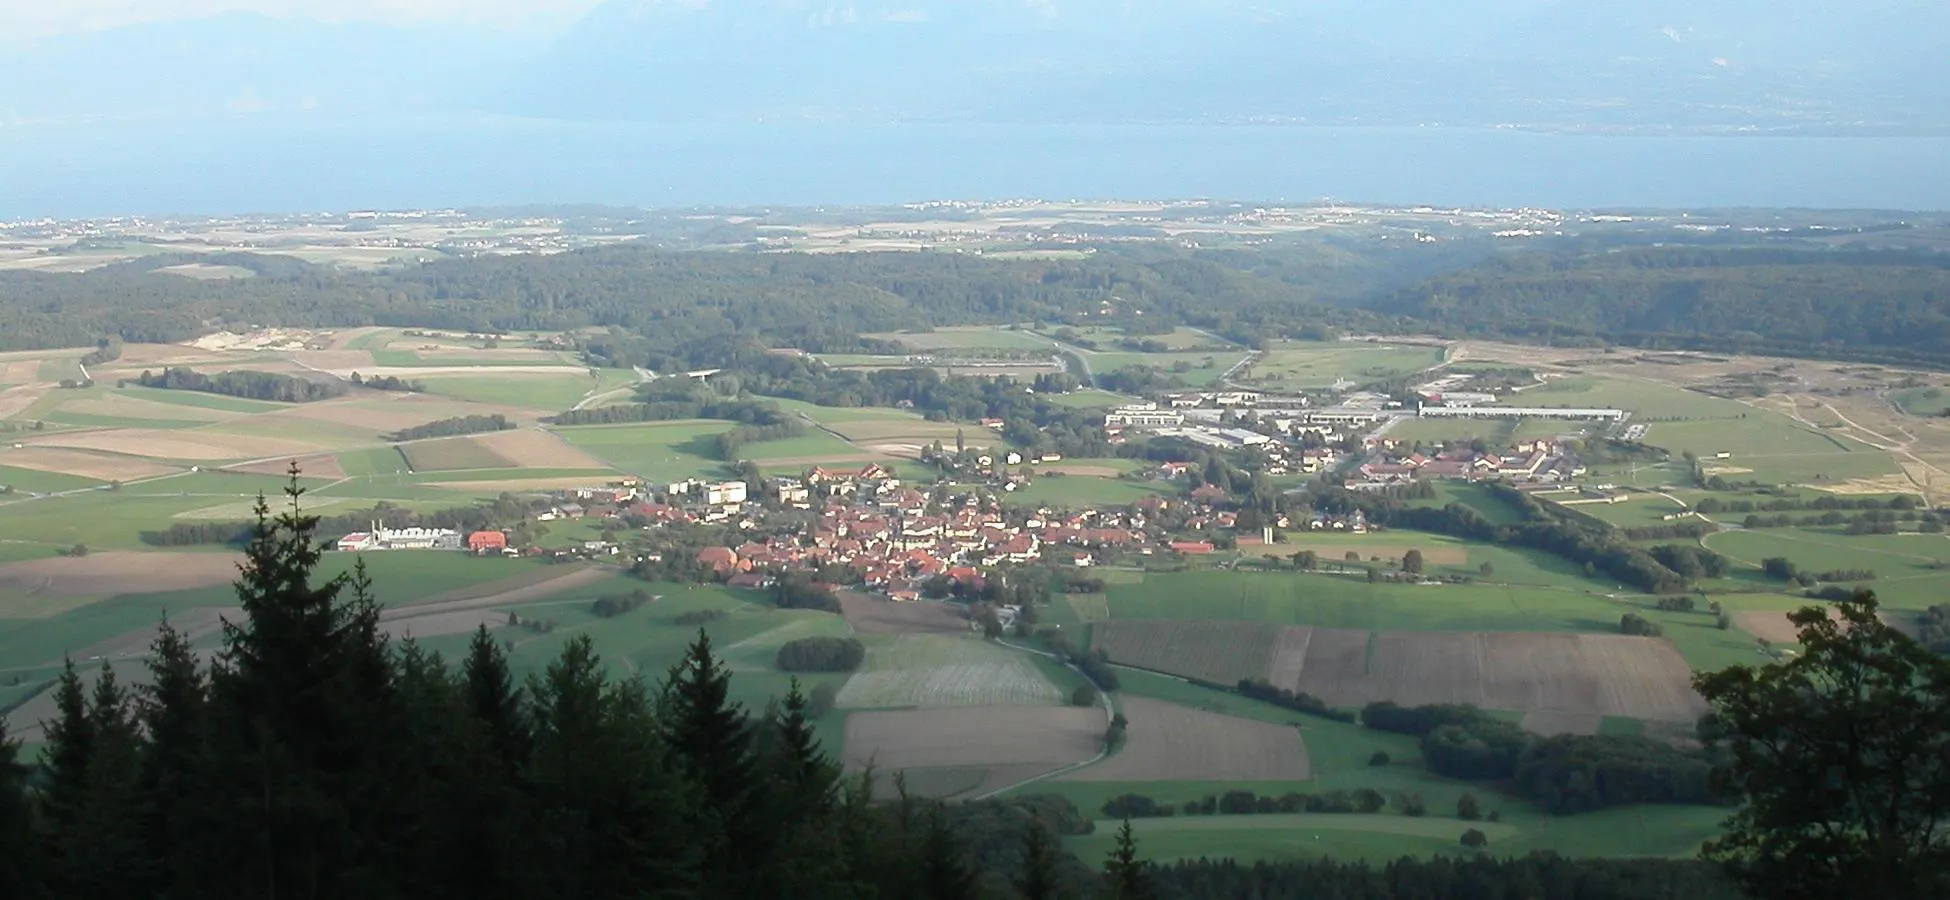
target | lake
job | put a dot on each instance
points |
(251, 165)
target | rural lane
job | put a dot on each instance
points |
(1110, 715)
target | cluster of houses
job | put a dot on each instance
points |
(379, 538)
(1535, 462)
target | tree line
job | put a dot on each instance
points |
(469, 424)
(821, 654)
(246, 384)
(499, 511)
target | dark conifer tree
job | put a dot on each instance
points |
(21, 860)
(1038, 878)
(945, 873)
(173, 711)
(712, 739)
(495, 700)
(1124, 874)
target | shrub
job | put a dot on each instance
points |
(822, 699)
(1084, 695)
(1413, 806)
(1134, 806)
(1633, 623)
(1380, 758)
(822, 654)
(1475, 839)
(1467, 809)
(701, 616)
(1299, 702)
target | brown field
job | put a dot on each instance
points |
(109, 574)
(347, 336)
(1550, 724)
(1169, 742)
(535, 584)
(1011, 736)
(324, 466)
(533, 448)
(869, 614)
(1773, 624)
(452, 455)
(20, 371)
(19, 398)
(1584, 673)
(135, 356)
(1223, 652)
(83, 463)
(335, 360)
(189, 445)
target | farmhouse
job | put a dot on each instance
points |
(487, 541)
(357, 541)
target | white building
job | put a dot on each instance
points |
(416, 538)
(725, 494)
(1521, 412)
(1143, 418)
(357, 541)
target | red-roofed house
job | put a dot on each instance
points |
(484, 541)
(722, 560)
(1192, 548)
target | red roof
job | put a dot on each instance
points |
(487, 540)
(1192, 547)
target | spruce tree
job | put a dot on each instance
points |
(1124, 873)
(945, 873)
(68, 754)
(1038, 878)
(495, 701)
(21, 859)
(712, 739)
(173, 710)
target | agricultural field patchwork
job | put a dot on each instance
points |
(1217, 651)
(1043, 738)
(1168, 742)
(1310, 365)
(936, 671)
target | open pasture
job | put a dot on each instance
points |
(663, 451)
(35, 481)
(1084, 491)
(1026, 736)
(1304, 365)
(1200, 368)
(550, 391)
(534, 448)
(932, 671)
(1922, 401)
(1376, 838)
(1333, 601)
(1168, 742)
(1217, 651)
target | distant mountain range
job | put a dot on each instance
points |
(1809, 64)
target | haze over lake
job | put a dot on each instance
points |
(257, 165)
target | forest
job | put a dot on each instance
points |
(458, 425)
(675, 311)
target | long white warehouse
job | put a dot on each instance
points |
(1520, 412)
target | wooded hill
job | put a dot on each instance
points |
(669, 310)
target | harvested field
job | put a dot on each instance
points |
(195, 623)
(82, 463)
(452, 454)
(326, 466)
(123, 406)
(375, 415)
(535, 584)
(1222, 652)
(20, 371)
(1550, 724)
(108, 574)
(877, 615)
(993, 736)
(1089, 607)
(189, 445)
(1771, 624)
(17, 399)
(532, 448)
(411, 372)
(1169, 742)
(455, 622)
(1614, 675)
(932, 671)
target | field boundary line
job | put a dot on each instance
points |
(1110, 715)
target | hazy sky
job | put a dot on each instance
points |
(40, 18)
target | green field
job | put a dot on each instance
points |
(39, 482)
(1203, 367)
(1309, 365)
(1339, 754)
(1922, 401)
(373, 461)
(975, 337)
(530, 390)
(661, 451)
(1086, 490)
(812, 446)
(1088, 398)
(1351, 602)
